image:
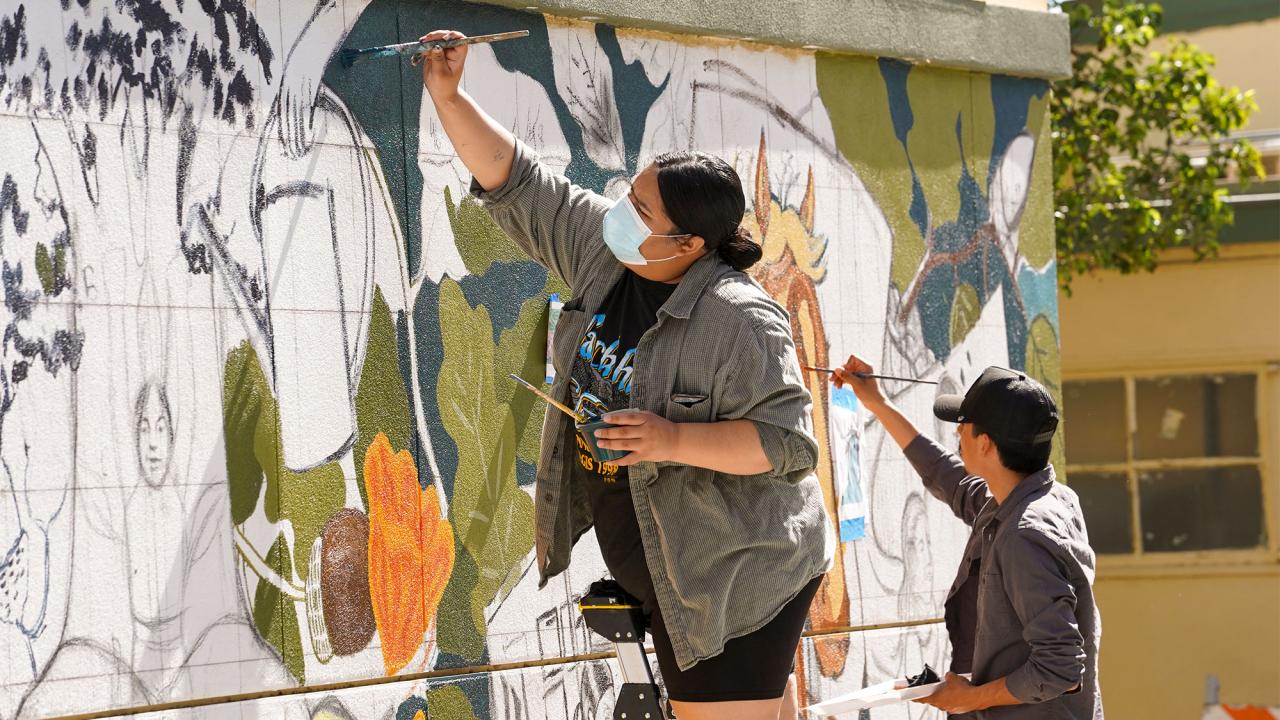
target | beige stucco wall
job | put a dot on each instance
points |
(1249, 58)
(1170, 622)
(1162, 635)
(1021, 4)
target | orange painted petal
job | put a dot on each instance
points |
(395, 552)
(438, 568)
(1249, 712)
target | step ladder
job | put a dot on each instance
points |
(618, 617)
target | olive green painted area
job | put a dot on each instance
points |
(449, 702)
(306, 500)
(964, 312)
(1036, 239)
(1044, 363)
(940, 140)
(486, 243)
(958, 34)
(949, 110)
(492, 517)
(982, 123)
(274, 616)
(51, 268)
(864, 134)
(251, 423)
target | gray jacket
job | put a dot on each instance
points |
(726, 552)
(1037, 623)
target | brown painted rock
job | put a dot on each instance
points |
(344, 581)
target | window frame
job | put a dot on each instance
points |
(1228, 560)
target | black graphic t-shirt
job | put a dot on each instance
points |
(600, 382)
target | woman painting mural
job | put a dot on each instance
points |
(714, 517)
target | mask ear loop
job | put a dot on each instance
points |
(635, 213)
(673, 257)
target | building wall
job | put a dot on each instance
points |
(1246, 53)
(255, 426)
(1171, 621)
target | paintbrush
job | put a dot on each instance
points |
(864, 376)
(350, 56)
(554, 403)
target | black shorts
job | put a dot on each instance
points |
(755, 666)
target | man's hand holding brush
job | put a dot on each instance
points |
(858, 375)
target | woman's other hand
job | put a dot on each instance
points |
(646, 436)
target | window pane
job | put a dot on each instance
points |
(1196, 416)
(1201, 509)
(1094, 412)
(1107, 510)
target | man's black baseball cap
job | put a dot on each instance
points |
(1009, 406)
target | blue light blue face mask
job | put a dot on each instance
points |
(625, 231)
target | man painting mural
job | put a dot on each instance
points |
(1020, 613)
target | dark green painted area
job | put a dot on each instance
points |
(382, 404)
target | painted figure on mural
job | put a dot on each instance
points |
(792, 266)
(155, 595)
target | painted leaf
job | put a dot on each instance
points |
(449, 702)
(242, 400)
(251, 426)
(44, 268)
(459, 631)
(522, 350)
(410, 551)
(277, 620)
(508, 539)
(382, 404)
(492, 516)
(479, 240)
(965, 311)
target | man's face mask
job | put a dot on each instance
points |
(625, 231)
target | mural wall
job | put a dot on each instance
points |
(254, 428)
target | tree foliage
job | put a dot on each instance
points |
(1145, 140)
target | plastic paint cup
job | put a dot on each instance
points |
(601, 455)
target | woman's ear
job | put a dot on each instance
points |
(691, 244)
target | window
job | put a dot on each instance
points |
(1167, 464)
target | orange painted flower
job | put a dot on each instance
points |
(410, 551)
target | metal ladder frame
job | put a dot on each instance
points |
(619, 618)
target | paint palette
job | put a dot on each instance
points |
(588, 433)
(888, 692)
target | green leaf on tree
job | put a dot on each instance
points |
(1143, 141)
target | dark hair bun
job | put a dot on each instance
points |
(739, 250)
